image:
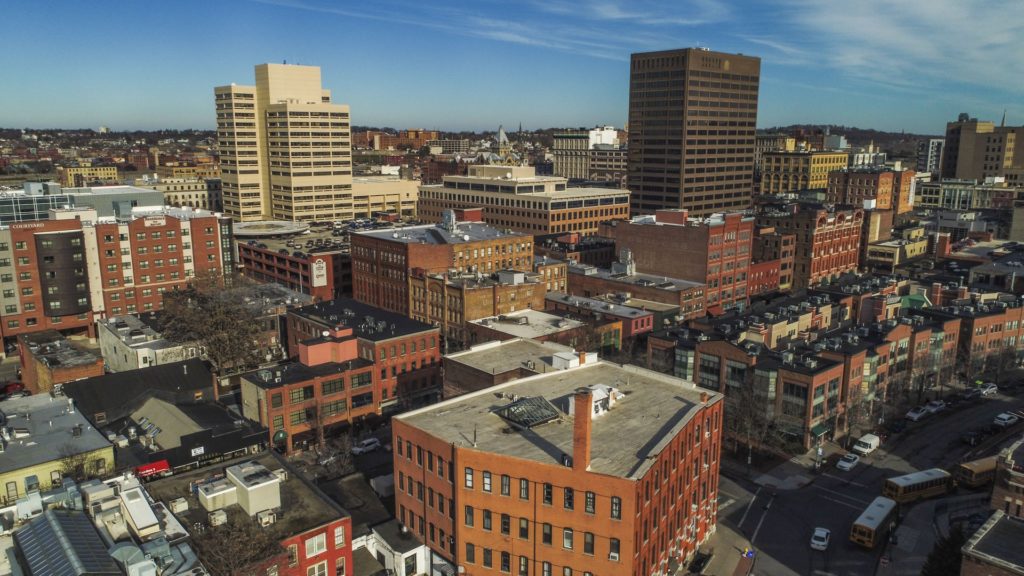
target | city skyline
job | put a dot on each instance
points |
(454, 67)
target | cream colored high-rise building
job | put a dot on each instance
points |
(285, 149)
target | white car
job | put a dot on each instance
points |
(847, 462)
(364, 446)
(916, 414)
(989, 389)
(820, 538)
(1005, 420)
(935, 406)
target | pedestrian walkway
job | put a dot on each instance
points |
(728, 559)
(798, 471)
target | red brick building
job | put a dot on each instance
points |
(768, 247)
(634, 320)
(382, 260)
(350, 362)
(561, 475)
(311, 261)
(49, 360)
(713, 251)
(886, 189)
(65, 272)
(623, 281)
(452, 300)
(827, 240)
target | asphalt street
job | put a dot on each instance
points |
(779, 523)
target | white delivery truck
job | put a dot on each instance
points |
(867, 444)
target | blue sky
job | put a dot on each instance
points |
(893, 65)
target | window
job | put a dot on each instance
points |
(316, 545)
(339, 537)
(276, 400)
(293, 554)
(524, 489)
(333, 386)
(317, 570)
(590, 502)
(469, 516)
(469, 477)
(524, 566)
(547, 494)
(506, 524)
(506, 485)
(616, 508)
(588, 543)
(567, 498)
(487, 481)
(545, 531)
(613, 548)
(470, 553)
(524, 528)
(487, 558)
(567, 538)
(487, 519)
(506, 562)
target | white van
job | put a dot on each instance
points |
(867, 444)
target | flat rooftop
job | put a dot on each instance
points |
(529, 323)
(55, 351)
(463, 233)
(597, 306)
(138, 331)
(267, 228)
(367, 322)
(998, 542)
(644, 280)
(42, 427)
(317, 240)
(624, 440)
(294, 371)
(504, 356)
(303, 506)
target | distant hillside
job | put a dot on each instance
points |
(897, 144)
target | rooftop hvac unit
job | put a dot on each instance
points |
(266, 518)
(218, 517)
(282, 474)
(179, 505)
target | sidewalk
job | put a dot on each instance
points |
(728, 559)
(798, 471)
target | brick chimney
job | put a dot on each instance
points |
(582, 355)
(935, 294)
(583, 411)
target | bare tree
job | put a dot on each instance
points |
(72, 462)
(221, 321)
(750, 418)
(1001, 363)
(239, 547)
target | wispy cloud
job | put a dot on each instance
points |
(918, 43)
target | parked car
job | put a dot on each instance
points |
(975, 435)
(364, 446)
(918, 413)
(820, 538)
(1005, 420)
(988, 389)
(971, 394)
(847, 462)
(935, 406)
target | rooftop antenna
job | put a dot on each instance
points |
(1002, 124)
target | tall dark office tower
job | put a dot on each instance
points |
(692, 119)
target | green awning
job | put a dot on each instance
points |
(819, 430)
